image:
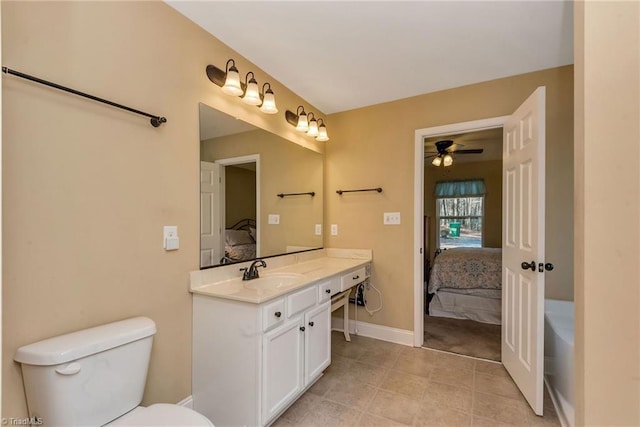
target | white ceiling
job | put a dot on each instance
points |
(341, 55)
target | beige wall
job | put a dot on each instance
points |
(284, 168)
(491, 173)
(607, 288)
(374, 146)
(87, 188)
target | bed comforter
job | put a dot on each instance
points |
(467, 269)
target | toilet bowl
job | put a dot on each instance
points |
(96, 377)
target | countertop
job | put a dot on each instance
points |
(327, 263)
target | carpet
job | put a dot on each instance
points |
(463, 337)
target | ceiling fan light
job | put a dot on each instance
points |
(437, 161)
(447, 160)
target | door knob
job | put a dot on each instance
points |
(529, 266)
(548, 266)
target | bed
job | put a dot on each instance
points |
(240, 242)
(466, 283)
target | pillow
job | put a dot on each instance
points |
(237, 237)
(252, 233)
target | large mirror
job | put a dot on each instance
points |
(260, 195)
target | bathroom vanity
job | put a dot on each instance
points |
(259, 344)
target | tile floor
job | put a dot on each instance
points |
(376, 383)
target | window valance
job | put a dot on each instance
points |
(466, 188)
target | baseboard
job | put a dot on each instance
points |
(187, 402)
(565, 421)
(384, 333)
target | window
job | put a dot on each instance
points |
(460, 210)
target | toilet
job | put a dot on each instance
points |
(96, 377)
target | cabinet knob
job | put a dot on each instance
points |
(302, 328)
(310, 323)
(278, 314)
(328, 291)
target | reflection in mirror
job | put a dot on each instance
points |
(242, 171)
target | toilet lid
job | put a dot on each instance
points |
(162, 414)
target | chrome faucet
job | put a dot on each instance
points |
(251, 272)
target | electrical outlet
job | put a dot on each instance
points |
(318, 229)
(391, 218)
(334, 229)
(170, 239)
(274, 219)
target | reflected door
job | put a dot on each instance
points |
(210, 221)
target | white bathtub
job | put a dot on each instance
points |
(558, 356)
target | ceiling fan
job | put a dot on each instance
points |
(445, 148)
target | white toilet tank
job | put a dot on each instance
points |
(89, 377)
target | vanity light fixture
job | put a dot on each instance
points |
(322, 131)
(301, 123)
(306, 122)
(229, 81)
(251, 93)
(232, 80)
(313, 125)
(268, 100)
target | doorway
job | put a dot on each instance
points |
(462, 255)
(419, 210)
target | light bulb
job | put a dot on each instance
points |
(322, 133)
(252, 93)
(232, 82)
(313, 128)
(269, 102)
(437, 161)
(303, 124)
(448, 160)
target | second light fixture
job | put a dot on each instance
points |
(307, 123)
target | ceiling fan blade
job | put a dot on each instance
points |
(469, 151)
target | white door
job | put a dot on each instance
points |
(523, 247)
(210, 221)
(317, 341)
(281, 367)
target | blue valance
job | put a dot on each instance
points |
(466, 188)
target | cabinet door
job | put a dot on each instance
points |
(282, 372)
(317, 341)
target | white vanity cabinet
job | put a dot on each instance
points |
(293, 357)
(251, 361)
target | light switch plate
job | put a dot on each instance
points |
(318, 229)
(274, 219)
(334, 229)
(391, 218)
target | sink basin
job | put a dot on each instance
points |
(270, 281)
(226, 287)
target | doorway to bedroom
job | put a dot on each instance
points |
(462, 240)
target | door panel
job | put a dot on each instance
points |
(523, 241)
(210, 242)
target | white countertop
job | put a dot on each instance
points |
(312, 266)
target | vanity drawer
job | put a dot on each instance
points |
(352, 278)
(328, 288)
(301, 300)
(273, 314)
